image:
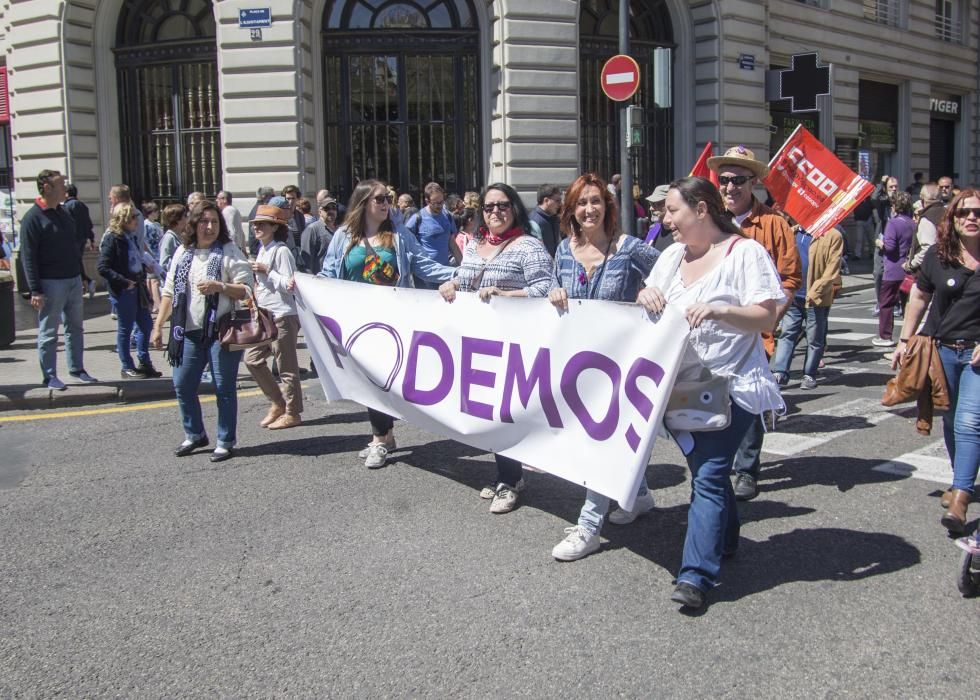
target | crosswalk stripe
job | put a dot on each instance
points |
(849, 336)
(859, 321)
(930, 463)
(786, 444)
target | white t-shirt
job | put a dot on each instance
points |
(746, 276)
(234, 270)
(271, 290)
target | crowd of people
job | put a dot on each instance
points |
(751, 282)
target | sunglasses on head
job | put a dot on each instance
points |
(383, 198)
(490, 206)
(964, 212)
(737, 180)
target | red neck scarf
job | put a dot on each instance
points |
(492, 239)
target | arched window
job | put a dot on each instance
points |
(651, 44)
(168, 92)
(401, 95)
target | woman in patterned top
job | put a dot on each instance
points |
(503, 259)
(597, 261)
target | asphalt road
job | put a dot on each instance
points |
(292, 570)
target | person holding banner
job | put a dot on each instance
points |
(597, 261)
(730, 292)
(948, 289)
(503, 259)
(369, 248)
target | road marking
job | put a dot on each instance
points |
(115, 409)
(619, 78)
(930, 463)
(859, 321)
(849, 336)
(788, 444)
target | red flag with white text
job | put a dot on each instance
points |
(701, 168)
(812, 185)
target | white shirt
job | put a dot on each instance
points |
(234, 270)
(745, 277)
(233, 220)
(271, 289)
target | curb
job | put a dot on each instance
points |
(18, 398)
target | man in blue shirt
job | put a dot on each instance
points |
(433, 227)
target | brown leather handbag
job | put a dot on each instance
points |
(249, 327)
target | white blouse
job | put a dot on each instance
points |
(234, 270)
(271, 289)
(745, 277)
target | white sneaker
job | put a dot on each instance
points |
(377, 456)
(643, 504)
(56, 384)
(882, 342)
(367, 450)
(808, 382)
(489, 492)
(504, 500)
(578, 543)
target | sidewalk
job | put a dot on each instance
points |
(20, 373)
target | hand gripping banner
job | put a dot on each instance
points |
(579, 395)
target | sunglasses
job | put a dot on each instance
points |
(502, 206)
(965, 212)
(737, 180)
(330, 207)
(383, 199)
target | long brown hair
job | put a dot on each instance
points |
(948, 246)
(354, 221)
(569, 225)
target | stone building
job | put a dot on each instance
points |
(173, 96)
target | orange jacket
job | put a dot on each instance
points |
(772, 232)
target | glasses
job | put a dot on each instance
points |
(501, 206)
(330, 207)
(383, 199)
(737, 180)
(965, 212)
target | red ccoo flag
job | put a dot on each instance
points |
(701, 168)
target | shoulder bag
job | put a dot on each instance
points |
(249, 327)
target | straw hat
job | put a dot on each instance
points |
(267, 212)
(742, 157)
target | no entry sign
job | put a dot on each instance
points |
(620, 78)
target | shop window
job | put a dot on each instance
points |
(651, 44)
(168, 97)
(949, 20)
(401, 94)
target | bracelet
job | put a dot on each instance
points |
(903, 340)
(224, 288)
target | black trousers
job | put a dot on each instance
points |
(381, 423)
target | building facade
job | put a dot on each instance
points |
(173, 96)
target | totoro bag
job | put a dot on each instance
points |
(699, 406)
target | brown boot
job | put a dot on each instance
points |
(955, 518)
(946, 498)
(286, 420)
(275, 410)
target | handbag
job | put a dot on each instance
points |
(376, 270)
(906, 286)
(250, 327)
(702, 405)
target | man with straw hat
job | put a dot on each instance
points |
(738, 171)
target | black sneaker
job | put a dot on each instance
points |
(687, 595)
(149, 371)
(745, 487)
(132, 374)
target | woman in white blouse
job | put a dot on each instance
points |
(207, 275)
(274, 268)
(729, 291)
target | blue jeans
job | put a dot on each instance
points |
(62, 304)
(712, 520)
(596, 506)
(792, 329)
(129, 313)
(187, 379)
(961, 424)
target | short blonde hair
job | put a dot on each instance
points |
(122, 213)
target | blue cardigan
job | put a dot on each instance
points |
(411, 260)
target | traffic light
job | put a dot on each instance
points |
(634, 126)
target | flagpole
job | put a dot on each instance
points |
(627, 218)
(788, 139)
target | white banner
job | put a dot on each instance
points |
(579, 395)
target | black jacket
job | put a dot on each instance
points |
(114, 264)
(48, 246)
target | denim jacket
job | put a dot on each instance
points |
(411, 260)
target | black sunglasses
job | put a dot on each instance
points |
(383, 198)
(502, 206)
(964, 212)
(737, 180)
